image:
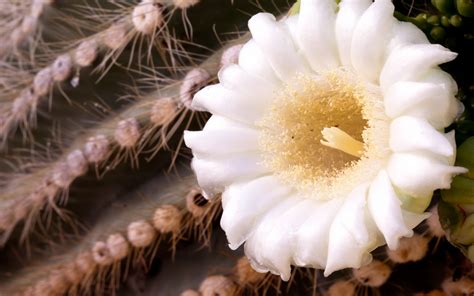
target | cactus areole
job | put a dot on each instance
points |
(326, 138)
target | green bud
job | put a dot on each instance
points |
(465, 7)
(445, 21)
(455, 21)
(401, 17)
(433, 20)
(465, 233)
(465, 157)
(459, 229)
(470, 253)
(444, 6)
(456, 207)
(420, 21)
(461, 192)
(422, 16)
(438, 34)
(450, 216)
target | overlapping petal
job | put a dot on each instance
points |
(231, 103)
(419, 175)
(405, 33)
(370, 38)
(282, 226)
(352, 234)
(252, 59)
(245, 203)
(273, 243)
(217, 173)
(430, 101)
(346, 20)
(275, 41)
(222, 142)
(315, 35)
(412, 62)
(312, 238)
(384, 207)
(413, 134)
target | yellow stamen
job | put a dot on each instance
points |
(291, 130)
(324, 134)
(340, 140)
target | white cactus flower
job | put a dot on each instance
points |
(326, 139)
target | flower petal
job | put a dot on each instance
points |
(406, 33)
(219, 123)
(352, 235)
(274, 40)
(261, 253)
(411, 62)
(419, 175)
(234, 77)
(385, 208)
(252, 60)
(279, 226)
(452, 140)
(232, 139)
(438, 76)
(215, 174)
(245, 203)
(431, 101)
(413, 134)
(346, 20)
(412, 220)
(291, 22)
(370, 38)
(313, 235)
(231, 103)
(274, 241)
(316, 33)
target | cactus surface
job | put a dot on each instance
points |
(97, 196)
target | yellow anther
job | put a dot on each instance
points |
(340, 140)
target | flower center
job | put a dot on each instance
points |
(317, 131)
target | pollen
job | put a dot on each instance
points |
(320, 131)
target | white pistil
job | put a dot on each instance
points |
(340, 140)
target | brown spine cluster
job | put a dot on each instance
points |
(89, 268)
(23, 28)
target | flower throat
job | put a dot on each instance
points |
(314, 129)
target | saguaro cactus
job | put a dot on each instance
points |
(97, 192)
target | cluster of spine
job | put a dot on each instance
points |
(150, 121)
(143, 128)
(242, 280)
(20, 20)
(144, 19)
(103, 147)
(101, 266)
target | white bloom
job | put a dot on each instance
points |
(326, 139)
